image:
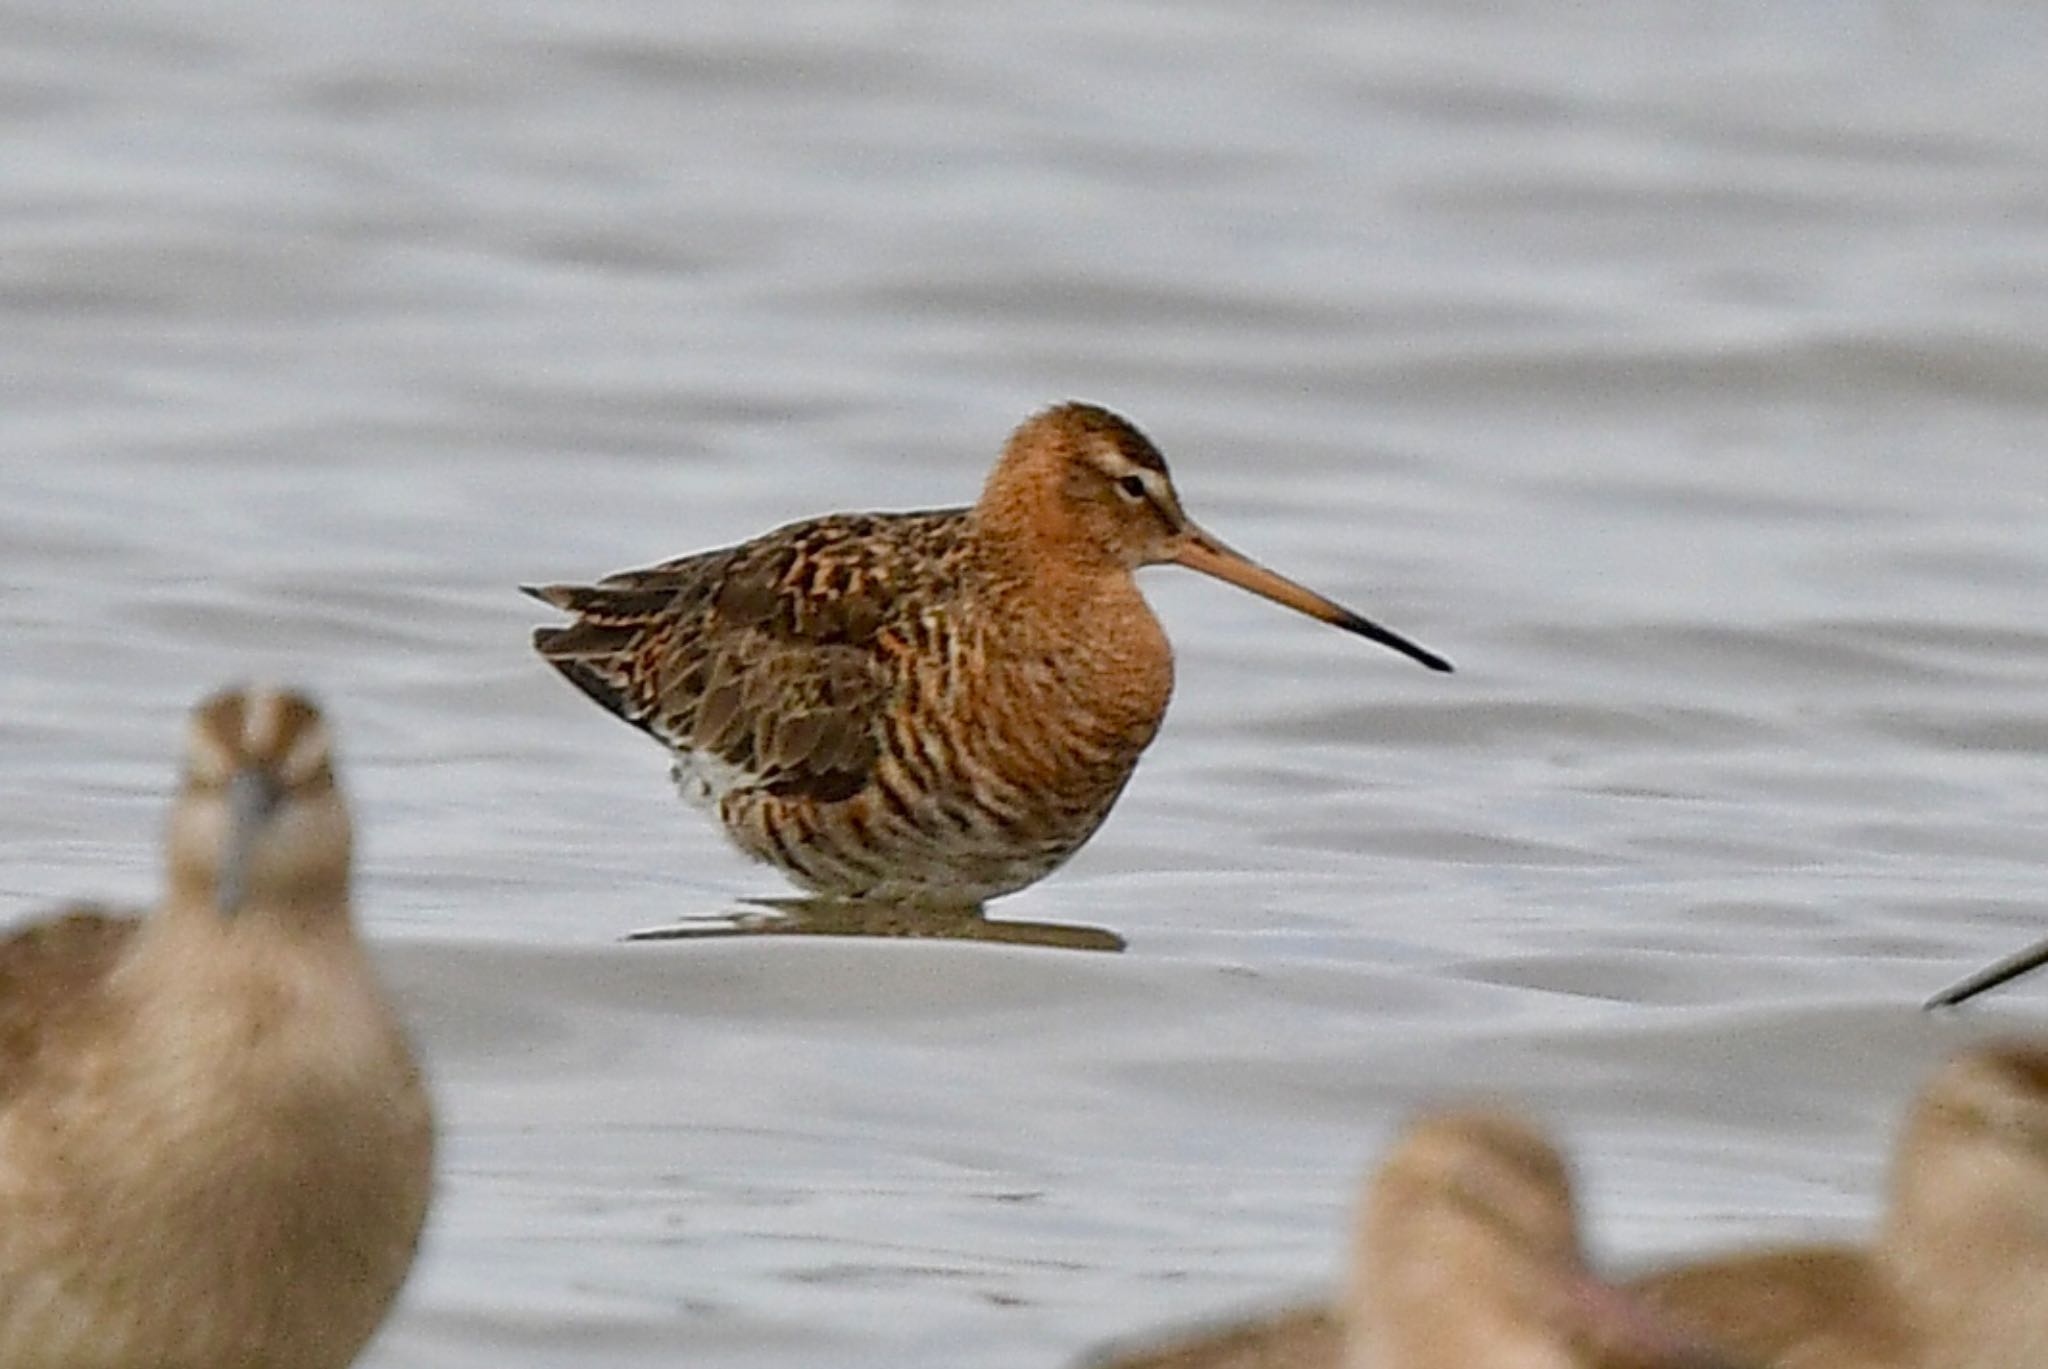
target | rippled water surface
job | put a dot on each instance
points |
(1679, 370)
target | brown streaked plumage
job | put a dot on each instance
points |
(1992, 976)
(215, 1147)
(929, 707)
(1466, 1256)
(1955, 1277)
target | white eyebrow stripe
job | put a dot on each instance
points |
(1116, 465)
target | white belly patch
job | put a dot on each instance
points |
(703, 779)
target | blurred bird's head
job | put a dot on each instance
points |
(259, 824)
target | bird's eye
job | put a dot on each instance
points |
(1133, 488)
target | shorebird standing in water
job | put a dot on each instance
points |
(928, 708)
(1956, 1275)
(215, 1148)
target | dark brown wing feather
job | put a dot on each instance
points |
(765, 655)
(48, 972)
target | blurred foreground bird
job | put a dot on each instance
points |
(1467, 1256)
(215, 1147)
(1957, 1275)
(929, 708)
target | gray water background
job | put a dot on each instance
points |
(1679, 369)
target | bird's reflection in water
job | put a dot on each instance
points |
(864, 917)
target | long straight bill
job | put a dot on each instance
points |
(1991, 976)
(1199, 551)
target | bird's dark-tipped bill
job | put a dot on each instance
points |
(1199, 551)
(1991, 976)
